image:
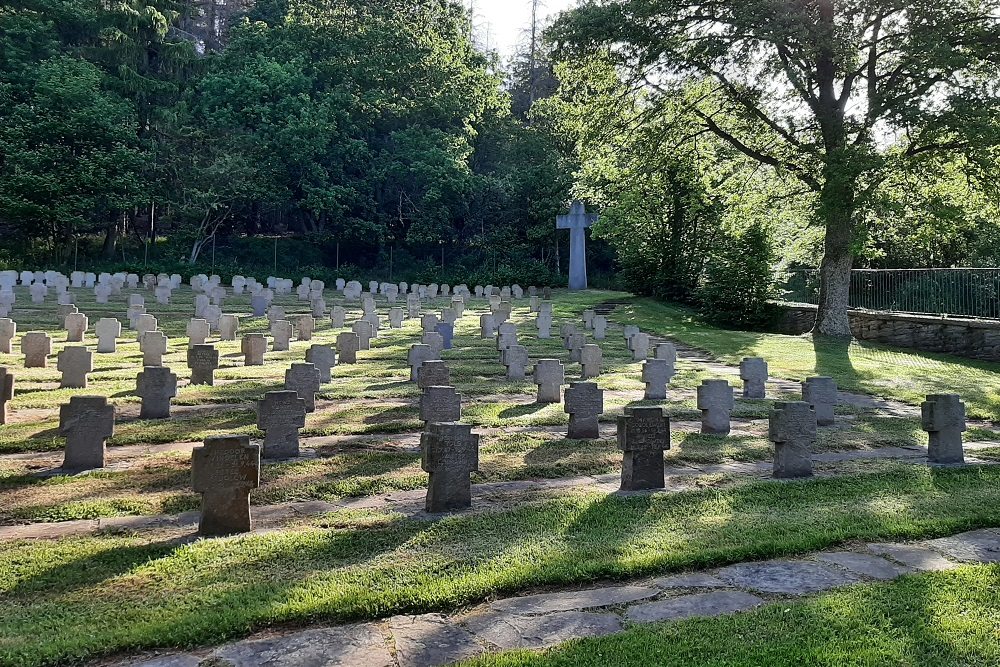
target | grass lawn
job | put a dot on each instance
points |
(869, 368)
(83, 597)
(938, 619)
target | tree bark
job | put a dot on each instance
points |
(837, 210)
(110, 237)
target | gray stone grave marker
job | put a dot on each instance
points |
(515, 358)
(156, 385)
(225, 470)
(198, 331)
(153, 346)
(591, 358)
(203, 360)
(550, 375)
(36, 347)
(943, 417)
(280, 415)
(584, 404)
(253, 346)
(716, 402)
(74, 362)
(433, 373)
(643, 436)
(656, 373)
(449, 453)
(8, 329)
(6, 392)
(821, 394)
(792, 429)
(348, 343)
(76, 326)
(440, 404)
(108, 329)
(86, 422)
(753, 372)
(303, 378)
(324, 358)
(281, 335)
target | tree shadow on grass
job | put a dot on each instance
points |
(833, 359)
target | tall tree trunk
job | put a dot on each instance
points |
(837, 210)
(111, 237)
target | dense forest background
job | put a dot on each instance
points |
(375, 139)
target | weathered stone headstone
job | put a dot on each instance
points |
(348, 344)
(435, 341)
(198, 331)
(395, 318)
(656, 373)
(588, 319)
(433, 373)
(337, 316)
(108, 329)
(306, 326)
(258, 305)
(324, 358)
(280, 415)
(224, 471)
(281, 335)
(153, 346)
(415, 358)
(36, 346)
(303, 378)
(600, 326)
(550, 375)
(577, 222)
(364, 331)
(86, 422)
(74, 362)
(143, 324)
(716, 402)
(487, 325)
(229, 326)
(753, 372)
(253, 346)
(76, 326)
(156, 385)
(792, 429)
(643, 436)
(591, 358)
(447, 332)
(8, 329)
(585, 404)
(667, 351)
(506, 335)
(203, 360)
(575, 343)
(943, 417)
(515, 358)
(449, 453)
(639, 345)
(821, 393)
(440, 404)
(6, 392)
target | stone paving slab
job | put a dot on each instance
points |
(689, 580)
(545, 603)
(510, 632)
(360, 645)
(915, 556)
(431, 639)
(864, 564)
(787, 577)
(716, 603)
(979, 546)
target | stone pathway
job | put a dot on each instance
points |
(550, 618)
(485, 497)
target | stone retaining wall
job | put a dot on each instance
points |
(975, 339)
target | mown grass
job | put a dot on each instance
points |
(879, 370)
(936, 619)
(80, 598)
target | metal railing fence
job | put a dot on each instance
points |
(954, 292)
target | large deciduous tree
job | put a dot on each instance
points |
(837, 94)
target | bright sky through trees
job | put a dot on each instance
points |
(501, 23)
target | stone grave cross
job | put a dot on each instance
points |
(224, 471)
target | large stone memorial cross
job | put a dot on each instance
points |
(577, 221)
(643, 435)
(224, 471)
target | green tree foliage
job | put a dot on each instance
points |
(835, 94)
(738, 284)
